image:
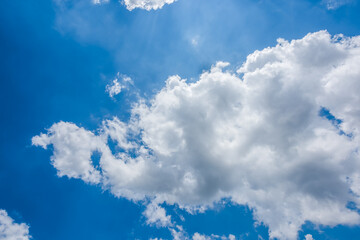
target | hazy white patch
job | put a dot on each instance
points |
(309, 237)
(335, 4)
(146, 4)
(100, 1)
(195, 41)
(9, 230)
(178, 233)
(198, 236)
(257, 140)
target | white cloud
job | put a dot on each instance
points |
(231, 237)
(156, 215)
(73, 148)
(198, 236)
(9, 230)
(146, 4)
(308, 237)
(255, 137)
(100, 1)
(335, 4)
(115, 87)
(142, 4)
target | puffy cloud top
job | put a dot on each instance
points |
(281, 136)
(9, 230)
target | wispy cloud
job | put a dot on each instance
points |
(335, 4)
(120, 83)
(100, 1)
(146, 4)
(142, 4)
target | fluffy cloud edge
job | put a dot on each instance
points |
(10, 230)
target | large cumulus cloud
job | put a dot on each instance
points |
(256, 136)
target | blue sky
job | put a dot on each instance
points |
(57, 57)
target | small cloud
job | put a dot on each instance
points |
(142, 4)
(146, 4)
(156, 215)
(309, 237)
(114, 88)
(100, 1)
(118, 84)
(335, 4)
(198, 236)
(195, 41)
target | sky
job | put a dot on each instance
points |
(186, 119)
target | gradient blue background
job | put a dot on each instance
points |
(55, 63)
